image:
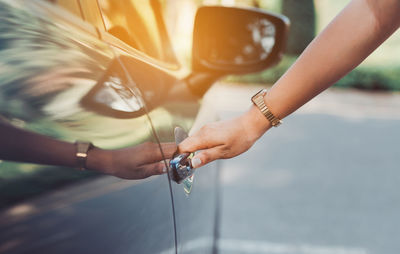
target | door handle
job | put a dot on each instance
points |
(181, 166)
(181, 163)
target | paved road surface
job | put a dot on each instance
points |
(326, 181)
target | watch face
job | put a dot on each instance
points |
(258, 95)
(258, 100)
(261, 93)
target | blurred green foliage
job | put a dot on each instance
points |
(372, 78)
(270, 75)
(364, 77)
(302, 29)
(380, 71)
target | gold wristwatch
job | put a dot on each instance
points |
(258, 100)
(82, 149)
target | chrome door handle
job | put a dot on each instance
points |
(181, 167)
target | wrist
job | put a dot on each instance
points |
(255, 122)
(99, 160)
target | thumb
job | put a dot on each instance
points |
(157, 168)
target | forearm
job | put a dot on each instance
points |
(24, 146)
(357, 31)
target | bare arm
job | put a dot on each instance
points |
(132, 163)
(356, 32)
(352, 36)
(24, 146)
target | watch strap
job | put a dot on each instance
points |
(82, 149)
(258, 100)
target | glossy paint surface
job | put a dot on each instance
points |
(49, 61)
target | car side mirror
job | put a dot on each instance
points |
(232, 40)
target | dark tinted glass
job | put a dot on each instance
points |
(139, 24)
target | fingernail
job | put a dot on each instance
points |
(196, 162)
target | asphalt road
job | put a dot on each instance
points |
(326, 181)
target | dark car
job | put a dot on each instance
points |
(106, 71)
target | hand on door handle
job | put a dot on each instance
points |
(138, 162)
(181, 167)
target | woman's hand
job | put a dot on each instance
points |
(225, 139)
(136, 162)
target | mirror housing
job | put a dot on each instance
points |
(231, 40)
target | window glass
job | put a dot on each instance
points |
(87, 10)
(139, 24)
(70, 5)
(91, 12)
(179, 20)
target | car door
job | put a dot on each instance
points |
(50, 60)
(141, 24)
(86, 70)
(243, 41)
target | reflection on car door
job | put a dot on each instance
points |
(195, 212)
(49, 60)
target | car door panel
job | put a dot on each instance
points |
(100, 216)
(171, 104)
(49, 61)
(196, 212)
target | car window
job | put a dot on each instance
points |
(91, 12)
(70, 5)
(87, 10)
(139, 24)
(179, 20)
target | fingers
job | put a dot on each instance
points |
(150, 152)
(157, 168)
(207, 156)
(192, 143)
(168, 149)
(203, 139)
(145, 171)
